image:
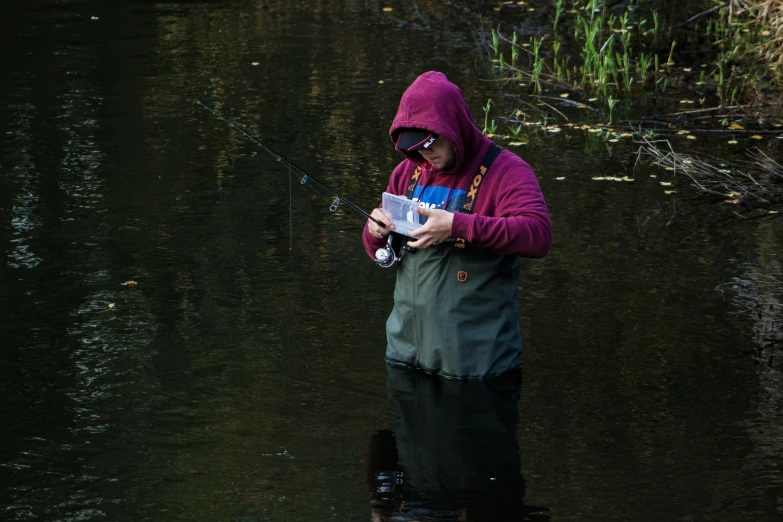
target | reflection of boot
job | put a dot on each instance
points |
(383, 477)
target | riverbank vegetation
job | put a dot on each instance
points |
(615, 54)
(623, 70)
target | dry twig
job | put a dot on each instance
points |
(758, 184)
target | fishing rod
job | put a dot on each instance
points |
(305, 176)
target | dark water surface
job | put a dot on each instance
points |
(243, 379)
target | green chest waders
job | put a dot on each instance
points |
(455, 309)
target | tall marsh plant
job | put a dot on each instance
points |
(767, 16)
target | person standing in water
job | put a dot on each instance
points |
(455, 300)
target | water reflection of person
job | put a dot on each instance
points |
(454, 455)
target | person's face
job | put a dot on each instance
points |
(441, 154)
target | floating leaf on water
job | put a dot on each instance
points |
(666, 184)
(561, 178)
(732, 142)
(667, 192)
(736, 126)
(130, 283)
(387, 9)
(111, 305)
(756, 137)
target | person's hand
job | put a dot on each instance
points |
(435, 231)
(375, 229)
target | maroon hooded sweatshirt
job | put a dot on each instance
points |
(509, 216)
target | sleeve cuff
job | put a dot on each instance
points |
(461, 225)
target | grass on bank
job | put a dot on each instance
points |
(731, 54)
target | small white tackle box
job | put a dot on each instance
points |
(402, 212)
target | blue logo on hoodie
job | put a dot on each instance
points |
(435, 197)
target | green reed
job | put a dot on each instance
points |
(618, 55)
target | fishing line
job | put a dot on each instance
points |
(334, 204)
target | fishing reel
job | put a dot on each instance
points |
(394, 250)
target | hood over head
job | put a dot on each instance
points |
(435, 104)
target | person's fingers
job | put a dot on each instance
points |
(377, 230)
(422, 241)
(418, 232)
(380, 215)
